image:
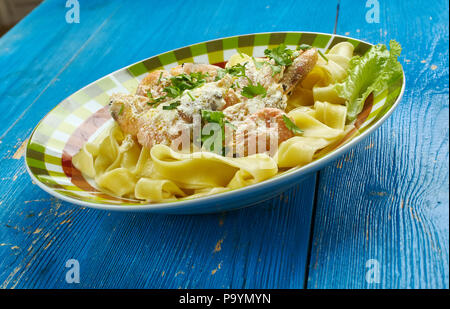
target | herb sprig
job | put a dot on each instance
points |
(218, 117)
(171, 106)
(280, 54)
(291, 126)
(237, 70)
(304, 47)
(153, 100)
(252, 91)
(184, 82)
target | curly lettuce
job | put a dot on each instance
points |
(369, 73)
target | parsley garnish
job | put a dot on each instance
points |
(171, 105)
(291, 126)
(213, 117)
(218, 117)
(160, 75)
(304, 47)
(258, 64)
(238, 70)
(251, 91)
(220, 74)
(184, 82)
(172, 91)
(153, 100)
(121, 110)
(281, 55)
(275, 69)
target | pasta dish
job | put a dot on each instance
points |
(200, 129)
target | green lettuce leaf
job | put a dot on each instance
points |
(369, 73)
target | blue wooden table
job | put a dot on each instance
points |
(376, 218)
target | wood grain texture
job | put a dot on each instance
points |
(32, 62)
(388, 199)
(261, 247)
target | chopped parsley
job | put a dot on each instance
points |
(121, 110)
(291, 126)
(209, 116)
(275, 69)
(238, 70)
(220, 74)
(171, 105)
(153, 100)
(184, 82)
(252, 91)
(281, 55)
(160, 75)
(258, 64)
(172, 91)
(218, 117)
(190, 95)
(212, 116)
(304, 47)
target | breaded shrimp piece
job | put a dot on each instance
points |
(278, 86)
(126, 110)
(271, 119)
(260, 132)
(154, 82)
(298, 70)
(158, 126)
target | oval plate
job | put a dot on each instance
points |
(83, 115)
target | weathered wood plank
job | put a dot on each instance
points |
(263, 246)
(35, 52)
(388, 199)
(259, 247)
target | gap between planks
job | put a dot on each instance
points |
(316, 190)
(54, 79)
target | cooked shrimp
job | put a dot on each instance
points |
(272, 119)
(260, 132)
(154, 83)
(157, 126)
(298, 70)
(279, 85)
(126, 110)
